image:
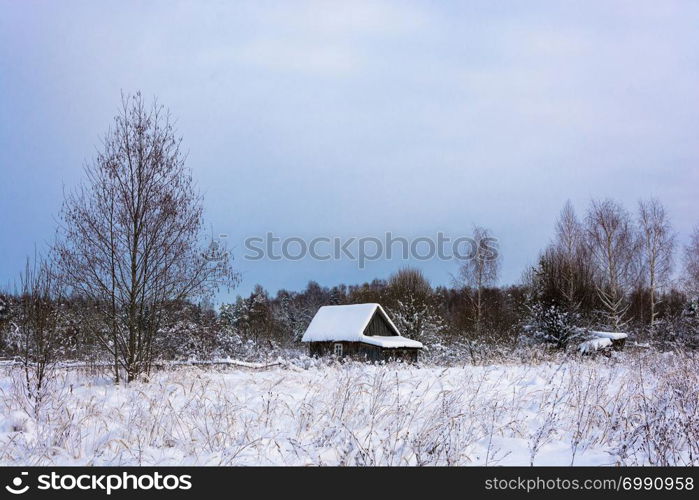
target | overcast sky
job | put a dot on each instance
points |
(353, 119)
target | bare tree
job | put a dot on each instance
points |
(410, 281)
(131, 234)
(480, 270)
(568, 239)
(657, 242)
(37, 336)
(691, 263)
(574, 255)
(613, 248)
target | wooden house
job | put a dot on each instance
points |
(360, 331)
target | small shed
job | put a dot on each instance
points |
(604, 342)
(361, 331)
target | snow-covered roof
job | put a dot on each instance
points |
(390, 342)
(609, 335)
(348, 322)
(594, 345)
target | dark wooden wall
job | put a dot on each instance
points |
(361, 351)
(378, 326)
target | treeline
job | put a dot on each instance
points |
(608, 270)
(614, 270)
(128, 279)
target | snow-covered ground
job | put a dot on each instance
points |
(640, 409)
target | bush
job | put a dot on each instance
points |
(552, 325)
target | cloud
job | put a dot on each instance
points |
(298, 56)
(357, 116)
(315, 37)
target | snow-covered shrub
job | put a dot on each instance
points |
(552, 325)
(685, 330)
(230, 344)
(4, 308)
(459, 352)
(6, 325)
(232, 341)
(292, 313)
(188, 332)
(251, 317)
(416, 319)
(690, 330)
(680, 330)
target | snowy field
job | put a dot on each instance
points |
(637, 409)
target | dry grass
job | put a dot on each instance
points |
(636, 410)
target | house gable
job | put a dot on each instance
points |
(379, 327)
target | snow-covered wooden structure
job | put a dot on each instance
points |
(603, 342)
(362, 331)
